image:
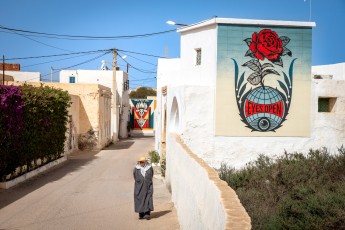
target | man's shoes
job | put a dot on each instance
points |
(147, 217)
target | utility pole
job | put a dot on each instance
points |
(115, 118)
(51, 74)
(3, 69)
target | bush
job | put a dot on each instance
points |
(293, 191)
(35, 118)
(11, 127)
(154, 156)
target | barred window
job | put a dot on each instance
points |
(326, 104)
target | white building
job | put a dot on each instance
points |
(19, 76)
(196, 94)
(105, 77)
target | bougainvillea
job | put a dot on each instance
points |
(32, 125)
(11, 126)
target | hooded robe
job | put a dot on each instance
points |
(143, 188)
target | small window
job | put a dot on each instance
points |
(71, 79)
(326, 104)
(198, 56)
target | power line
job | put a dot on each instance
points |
(42, 43)
(85, 37)
(62, 59)
(140, 59)
(57, 55)
(89, 60)
(140, 70)
(150, 55)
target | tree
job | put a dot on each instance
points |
(142, 92)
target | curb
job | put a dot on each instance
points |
(26, 176)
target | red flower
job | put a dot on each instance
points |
(266, 44)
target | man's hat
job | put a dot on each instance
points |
(142, 159)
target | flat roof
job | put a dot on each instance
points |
(253, 22)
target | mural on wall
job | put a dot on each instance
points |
(263, 85)
(264, 108)
(142, 114)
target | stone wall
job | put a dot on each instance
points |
(202, 200)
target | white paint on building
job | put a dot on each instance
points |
(19, 76)
(192, 88)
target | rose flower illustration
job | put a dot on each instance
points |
(267, 44)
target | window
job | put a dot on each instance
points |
(71, 79)
(326, 104)
(198, 56)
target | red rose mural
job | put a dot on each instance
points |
(264, 108)
(267, 44)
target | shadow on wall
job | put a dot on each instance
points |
(86, 138)
(174, 116)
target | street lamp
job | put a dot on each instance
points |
(175, 24)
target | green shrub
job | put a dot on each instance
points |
(163, 166)
(293, 191)
(154, 156)
(42, 134)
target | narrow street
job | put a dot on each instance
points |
(92, 190)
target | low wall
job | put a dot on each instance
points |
(202, 200)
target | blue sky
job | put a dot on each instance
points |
(132, 17)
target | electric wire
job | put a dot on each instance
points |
(140, 59)
(42, 43)
(85, 37)
(57, 55)
(140, 70)
(84, 62)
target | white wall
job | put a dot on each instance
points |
(24, 76)
(201, 199)
(205, 39)
(337, 70)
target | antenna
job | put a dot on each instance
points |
(104, 66)
(309, 9)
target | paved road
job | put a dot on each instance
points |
(92, 190)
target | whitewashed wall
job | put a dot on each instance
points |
(201, 199)
(24, 76)
(336, 70)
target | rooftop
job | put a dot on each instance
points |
(237, 21)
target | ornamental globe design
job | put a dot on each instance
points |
(264, 108)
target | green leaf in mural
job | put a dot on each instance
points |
(287, 80)
(243, 89)
(285, 40)
(253, 64)
(282, 85)
(240, 81)
(254, 78)
(279, 62)
(250, 54)
(269, 71)
(286, 51)
(248, 41)
(236, 70)
(266, 65)
(291, 70)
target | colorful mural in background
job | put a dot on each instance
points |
(263, 81)
(142, 114)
